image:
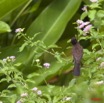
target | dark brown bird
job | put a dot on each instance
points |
(77, 52)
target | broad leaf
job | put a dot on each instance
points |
(53, 20)
(6, 6)
(45, 73)
(4, 27)
(51, 24)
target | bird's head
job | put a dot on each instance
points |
(73, 40)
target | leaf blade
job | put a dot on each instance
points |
(6, 6)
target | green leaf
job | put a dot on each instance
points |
(35, 6)
(32, 75)
(91, 14)
(72, 82)
(17, 64)
(84, 14)
(44, 74)
(4, 27)
(94, 6)
(51, 23)
(94, 46)
(53, 20)
(22, 47)
(6, 6)
(100, 14)
(11, 86)
(2, 80)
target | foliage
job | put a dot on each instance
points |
(36, 61)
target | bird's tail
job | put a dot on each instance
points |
(76, 70)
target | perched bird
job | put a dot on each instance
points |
(77, 52)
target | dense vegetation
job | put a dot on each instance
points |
(36, 62)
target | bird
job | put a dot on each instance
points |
(77, 52)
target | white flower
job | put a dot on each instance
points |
(39, 92)
(67, 98)
(37, 60)
(94, 1)
(99, 82)
(84, 8)
(19, 30)
(19, 101)
(86, 23)
(102, 65)
(82, 25)
(12, 58)
(98, 59)
(24, 95)
(4, 60)
(1, 102)
(9, 59)
(87, 28)
(46, 65)
(79, 21)
(35, 89)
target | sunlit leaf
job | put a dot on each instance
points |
(6, 6)
(91, 14)
(100, 14)
(51, 23)
(4, 27)
(11, 86)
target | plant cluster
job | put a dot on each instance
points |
(35, 53)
